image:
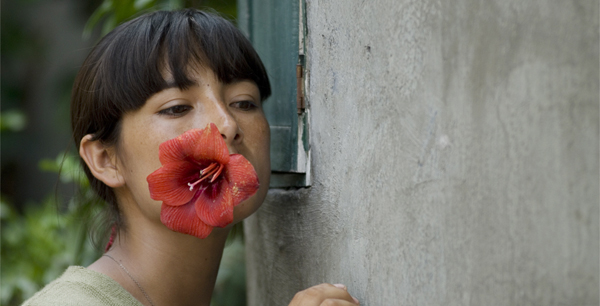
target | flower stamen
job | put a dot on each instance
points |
(217, 173)
(211, 170)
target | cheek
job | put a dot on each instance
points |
(264, 159)
(139, 158)
(260, 158)
(262, 151)
(140, 143)
(138, 162)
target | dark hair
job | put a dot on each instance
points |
(128, 66)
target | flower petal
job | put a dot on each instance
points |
(242, 177)
(169, 183)
(183, 219)
(215, 205)
(201, 145)
(172, 151)
(207, 145)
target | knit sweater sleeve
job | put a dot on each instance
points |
(81, 286)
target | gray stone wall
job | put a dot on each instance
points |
(455, 157)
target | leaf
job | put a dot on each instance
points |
(13, 120)
(102, 10)
(143, 4)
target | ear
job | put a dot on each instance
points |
(101, 161)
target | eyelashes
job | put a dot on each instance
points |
(245, 105)
(176, 111)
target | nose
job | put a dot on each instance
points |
(228, 127)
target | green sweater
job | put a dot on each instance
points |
(81, 286)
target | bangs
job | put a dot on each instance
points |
(214, 43)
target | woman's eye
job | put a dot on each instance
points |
(244, 105)
(176, 110)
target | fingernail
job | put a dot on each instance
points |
(356, 301)
(341, 286)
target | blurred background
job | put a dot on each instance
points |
(43, 43)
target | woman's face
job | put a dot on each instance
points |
(234, 108)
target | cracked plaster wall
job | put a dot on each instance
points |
(455, 149)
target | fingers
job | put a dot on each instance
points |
(324, 295)
(342, 286)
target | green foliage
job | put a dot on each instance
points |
(230, 287)
(12, 120)
(67, 165)
(38, 245)
(114, 12)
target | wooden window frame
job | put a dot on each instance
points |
(277, 29)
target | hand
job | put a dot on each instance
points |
(324, 295)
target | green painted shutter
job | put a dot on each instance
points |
(272, 27)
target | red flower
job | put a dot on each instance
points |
(199, 182)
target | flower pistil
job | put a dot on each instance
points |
(214, 170)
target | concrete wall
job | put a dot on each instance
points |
(455, 157)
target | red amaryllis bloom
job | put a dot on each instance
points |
(199, 182)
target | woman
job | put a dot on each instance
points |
(146, 83)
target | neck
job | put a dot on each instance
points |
(172, 268)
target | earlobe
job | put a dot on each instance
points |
(101, 161)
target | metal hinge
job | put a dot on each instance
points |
(300, 89)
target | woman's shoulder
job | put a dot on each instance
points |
(81, 286)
